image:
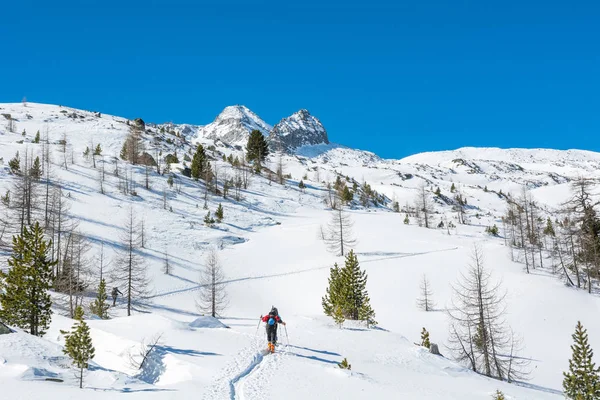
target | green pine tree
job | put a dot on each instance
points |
(15, 164)
(123, 153)
(582, 381)
(219, 213)
(5, 199)
(492, 230)
(347, 195)
(208, 220)
(549, 229)
(366, 312)
(170, 181)
(338, 316)
(452, 188)
(333, 298)
(98, 150)
(24, 297)
(257, 149)
(406, 220)
(199, 163)
(356, 298)
(301, 185)
(78, 344)
(36, 169)
(344, 364)
(37, 137)
(425, 338)
(438, 192)
(99, 306)
(396, 206)
(86, 153)
(498, 395)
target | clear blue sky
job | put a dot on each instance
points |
(393, 77)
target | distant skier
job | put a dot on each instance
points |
(114, 293)
(272, 320)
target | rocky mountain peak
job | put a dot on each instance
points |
(233, 125)
(297, 130)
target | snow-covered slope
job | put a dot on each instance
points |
(270, 249)
(233, 126)
(297, 130)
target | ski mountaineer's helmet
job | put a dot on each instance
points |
(274, 310)
(271, 321)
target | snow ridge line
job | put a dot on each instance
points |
(301, 271)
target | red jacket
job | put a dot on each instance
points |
(277, 319)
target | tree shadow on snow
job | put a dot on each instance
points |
(186, 352)
(539, 388)
(329, 353)
(315, 358)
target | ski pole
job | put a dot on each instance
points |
(258, 326)
(286, 335)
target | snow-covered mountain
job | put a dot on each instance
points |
(270, 249)
(297, 130)
(233, 126)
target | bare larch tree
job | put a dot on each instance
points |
(129, 271)
(425, 301)
(212, 297)
(338, 236)
(479, 334)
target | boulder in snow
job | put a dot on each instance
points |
(434, 349)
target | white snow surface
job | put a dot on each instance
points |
(271, 253)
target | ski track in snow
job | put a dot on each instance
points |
(248, 376)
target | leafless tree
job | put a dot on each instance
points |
(47, 162)
(141, 358)
(212, 297)
(74, 274)
(143, 232)
(280, 168)
(63, 149)
(147, 176)
(130, 270)
(245, 170)
(167, 266)
(424, 205)
(164, 196)
(339, 237)
(425, 302)
(11, 126)
(133, 147)
(479, 334)
(332, 199)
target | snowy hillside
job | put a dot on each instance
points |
(269, 246)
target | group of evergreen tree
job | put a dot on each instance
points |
(346, 297)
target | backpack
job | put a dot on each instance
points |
(272, 318)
